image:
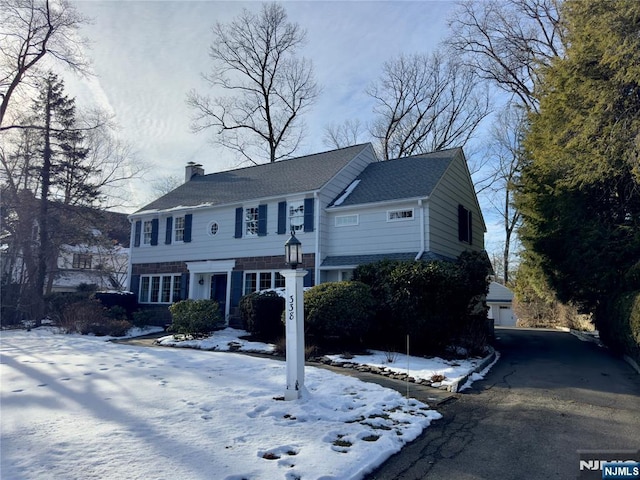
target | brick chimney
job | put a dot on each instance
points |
(192, 169)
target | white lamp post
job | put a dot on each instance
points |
(294, 318)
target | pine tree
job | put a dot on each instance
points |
(580, 186)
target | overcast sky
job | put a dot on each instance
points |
(148, 54)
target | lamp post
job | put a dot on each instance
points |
(294, 318)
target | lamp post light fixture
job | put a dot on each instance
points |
(293, 251)
(294, 318)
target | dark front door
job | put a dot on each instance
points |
(219, 290)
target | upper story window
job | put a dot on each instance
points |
(81, 260)
(178, 229)
(296, 216)
(251, 221)
(465, 225)
(399, 215)
(346, 220)
(147, 228)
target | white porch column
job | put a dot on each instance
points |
(294, 330)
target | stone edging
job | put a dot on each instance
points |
(453, 387)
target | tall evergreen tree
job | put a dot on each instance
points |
(580, 186)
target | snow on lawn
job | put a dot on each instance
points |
(78, 407)
(446, 372)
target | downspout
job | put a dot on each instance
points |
(316, 200)
(423, 242)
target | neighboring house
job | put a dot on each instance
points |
(222, 235)
(499, 301)
(94, 250)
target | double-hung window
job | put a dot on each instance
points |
(263, 280)
(147, 228)
(160, 288)
(81, 261)
(296, 216)
(178, 229)
(251, 221)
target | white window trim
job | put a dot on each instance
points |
(257, 273)
(401, 219)
(175, 229)
(245, 221)
(210, 226)
(171, 292)
(355, 216)
(299, 204)
(144, 233)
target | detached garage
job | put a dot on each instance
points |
(499, 301)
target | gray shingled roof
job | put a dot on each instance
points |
(302, 174)
(409, 177)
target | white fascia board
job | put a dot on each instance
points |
(338, 267)
(360, 206)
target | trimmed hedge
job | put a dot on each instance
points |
(436, 303)
(261, 314)
(338, 314)
(196, 317)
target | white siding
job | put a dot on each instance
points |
(223, 245)
(374, 234)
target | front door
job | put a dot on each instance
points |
(218, 290)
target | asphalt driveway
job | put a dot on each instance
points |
(549, 396)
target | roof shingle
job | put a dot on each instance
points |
(297, 175)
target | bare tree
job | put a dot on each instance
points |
(30, 32)
(346, 134)
(268, 87)
(506, 41)
(425, 103)
(506, 149)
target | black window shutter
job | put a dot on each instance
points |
(462, 222)
(282, 218)
(188, 221)
(236, 287)
(167, 233)
(308, 278)
(238, 223)
(138, 232)
(154, 231)
(308, 214)
(470, 229)
(262, 220)
(134, 287)
(184, 287)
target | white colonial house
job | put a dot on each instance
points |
(222, 235)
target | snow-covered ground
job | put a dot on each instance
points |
(79, 407)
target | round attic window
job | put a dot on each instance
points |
(213, 228)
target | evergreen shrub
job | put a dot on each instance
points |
(338, 314)
(195, 317)
(261, 314)
(436, 303)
